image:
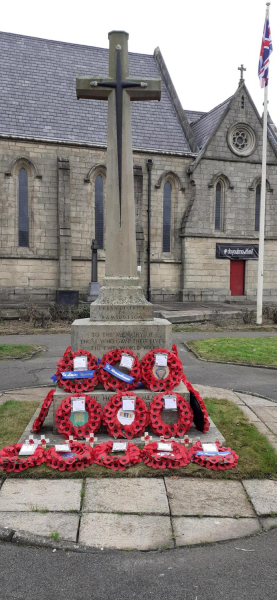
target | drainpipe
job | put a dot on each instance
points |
(149, 165)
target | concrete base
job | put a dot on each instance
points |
(101, 336)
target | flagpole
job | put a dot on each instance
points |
(262, 208)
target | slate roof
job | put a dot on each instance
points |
(38, 98)
(206, 125)
(193, 115)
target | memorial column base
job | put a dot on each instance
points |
(98, 337)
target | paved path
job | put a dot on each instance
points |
(38, 370)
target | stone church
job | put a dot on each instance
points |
(196, 177)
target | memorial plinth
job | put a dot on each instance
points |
(120, 316)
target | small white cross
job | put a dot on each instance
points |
(44, 440)
(91, 440)
(31, 440)
(146, 438)
(186, 441)
(71, 438)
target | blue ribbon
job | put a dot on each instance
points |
(54, 378)
(113, 371)
(199, 453)
(77, 374)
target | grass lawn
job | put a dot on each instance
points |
(259, 351)
(257, 459)
(16, 351)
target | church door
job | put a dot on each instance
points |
(237, 270)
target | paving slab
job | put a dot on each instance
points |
(141, 495)
(263, 495)
(213, 392)
(249, 414)
(43, 494)
(207, 498)
(262, 428)
(188, 530)
(66, 525)
(255, 400)
(266, 413)
(268, 522)
(132, 532)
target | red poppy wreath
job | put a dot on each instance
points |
(223, 459)
(200, 413)
(37, 424)
(122, 421)
(167, 430)
(161, 370)
(11, 461)
(113, 373)
(158, 458)
(73, 379)
(80, 424)
(104, 456)
(79, 457)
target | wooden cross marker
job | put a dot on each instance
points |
(146, 438)
(31, 440)
(44, 440)
(186, 441)
(71, 438)
(91, 440)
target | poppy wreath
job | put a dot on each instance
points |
(66, 428)
(168, 430)
(80, 456)
(179, 456)
(103, 456)
(174, 369)
(11, 461)
(109, 379)
(200, 413)
(37, 424)
(115, 428)
(217, 462)
(76, 385)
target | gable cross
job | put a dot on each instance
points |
(241, 69)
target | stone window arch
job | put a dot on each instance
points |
(219, 202)
(257, 206)
(23, 208)
(167, 194)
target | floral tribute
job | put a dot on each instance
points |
(104, 456)
(225, 459)
(112, 378)
(80, 456)
(120, 430)
(66, 363)
(63, 413)
(158, 459)
(37, 424)
(200, 413)
(161, 378)
(11, 461)
(168, 430)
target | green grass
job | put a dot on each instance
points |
(261, 351)
(257, 458)
(16, 351)
(14, 418)
(55, 535)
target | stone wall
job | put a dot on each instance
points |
(61, 219)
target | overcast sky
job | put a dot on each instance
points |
(202, 41)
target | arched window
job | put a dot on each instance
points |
(167, 217)
(99, 211)
(218, 206)
(257, 207)
(23, 216)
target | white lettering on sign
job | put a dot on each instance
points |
(119, 447)
(78, 404)
(62, 448)
(161, 360)
(165, 447)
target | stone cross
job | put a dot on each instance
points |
(119, 89)
(241, 69)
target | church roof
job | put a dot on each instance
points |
(193, 115)
(207, 124)
(38, 97)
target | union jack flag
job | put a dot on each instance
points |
(266, 50)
